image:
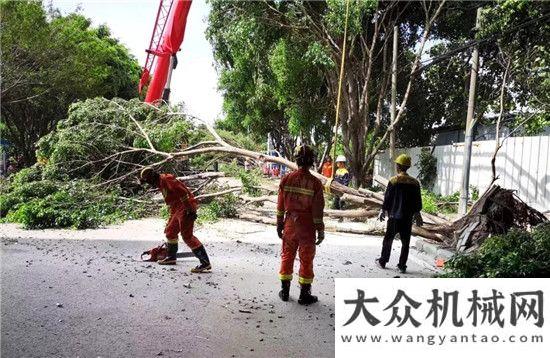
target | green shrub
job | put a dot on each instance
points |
(232, 169)
(250, 179)
(474, 193)
(164, 212)
(10, 200)
(433, 203)
(429, 202)
(427, 168)
(448, 204)
(26, 175)
(222, 207)
(78, 204)
(515, 254)
(7, 202)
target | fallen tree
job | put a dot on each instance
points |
(212, 144)
(253, 217)
(209, 196)
(202, 176)
(437, 229)
(335, 214)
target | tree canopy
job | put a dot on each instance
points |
(290, 68)
(98, 137)
(279, 65)
(272, 83)
(48, 62)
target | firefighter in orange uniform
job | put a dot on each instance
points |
(183, 213)
(326, 169)
(299, 216)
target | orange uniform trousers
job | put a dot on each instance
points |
(180, 222)
(298, 237)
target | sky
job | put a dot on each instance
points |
(194, 81)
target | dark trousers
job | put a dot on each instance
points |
(403, 228)
(337, 203)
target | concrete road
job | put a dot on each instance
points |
(86, 294)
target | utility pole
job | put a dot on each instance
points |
(393, 92)
(470, 124)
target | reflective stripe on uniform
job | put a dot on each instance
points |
(280, 213)
(298, 190)
(284, 277)
(172, 241)
(304, 281)
(341, 171)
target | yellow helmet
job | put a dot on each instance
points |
(404, 160)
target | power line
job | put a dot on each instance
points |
(471, 43)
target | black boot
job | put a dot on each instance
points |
(306, 298)
(284, 293)
(380, 264)
(170, 258)
(200, 253)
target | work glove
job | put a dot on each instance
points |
(280, 227)
(418, 219)
(320, 237)
(192, 215)
(382, 215)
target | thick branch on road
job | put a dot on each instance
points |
(210, 196)
(205, 175)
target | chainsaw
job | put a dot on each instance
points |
(160, 252)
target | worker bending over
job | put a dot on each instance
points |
(299, 215)
(183, 213)
(402, 203)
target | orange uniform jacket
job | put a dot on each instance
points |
(327, 169)
(176, 195)
(301, 193)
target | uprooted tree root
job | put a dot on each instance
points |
(496, 212)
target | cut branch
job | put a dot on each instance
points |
(205, 197)
(207, 175)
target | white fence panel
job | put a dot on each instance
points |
(521, 164)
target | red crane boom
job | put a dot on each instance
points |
(166, 40)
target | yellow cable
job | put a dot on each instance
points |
(342, 63)
(327, 185)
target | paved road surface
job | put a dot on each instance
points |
(69, 293)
